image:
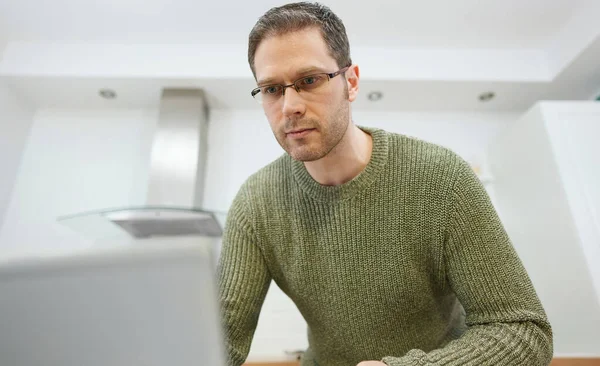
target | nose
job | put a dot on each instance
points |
(293, 104)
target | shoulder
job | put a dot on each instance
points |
(416, 148)
(424, 159)
(269, 178)
(266, 185)
(258, 193)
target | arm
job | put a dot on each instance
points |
(243, 282)
(506, 322)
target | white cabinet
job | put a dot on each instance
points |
(547, 188)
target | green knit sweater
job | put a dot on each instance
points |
(407, 263)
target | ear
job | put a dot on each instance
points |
(352, 77)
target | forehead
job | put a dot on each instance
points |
(283, 57)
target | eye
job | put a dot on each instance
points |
(272, 89)
(309, 80)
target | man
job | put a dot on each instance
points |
(389, 246)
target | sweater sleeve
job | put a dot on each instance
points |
(506, 324)
(243, 281)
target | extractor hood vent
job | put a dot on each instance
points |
(176, 180)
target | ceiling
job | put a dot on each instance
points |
(404, 23)
(427, 54)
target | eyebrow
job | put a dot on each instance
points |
(299, 74)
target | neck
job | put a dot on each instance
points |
(347, 160)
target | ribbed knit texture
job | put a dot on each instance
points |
(384, 267)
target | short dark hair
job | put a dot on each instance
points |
(299, 16)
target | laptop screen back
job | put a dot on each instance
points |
(143, 305)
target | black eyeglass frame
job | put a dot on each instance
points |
(330, 76)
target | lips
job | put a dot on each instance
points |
(299, 133)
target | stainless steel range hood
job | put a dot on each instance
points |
(176, 181)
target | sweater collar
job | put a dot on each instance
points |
(347, 190)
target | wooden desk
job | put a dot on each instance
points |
(575, 362)
(555, 362)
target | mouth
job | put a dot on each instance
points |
(300, 133)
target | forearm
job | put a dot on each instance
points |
(244, 280)
(234, 357)
(496, 344)
(506, 322)
(240, 306)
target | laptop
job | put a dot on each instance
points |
(149, 304)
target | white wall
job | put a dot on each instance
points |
(15, 120)
(241, 142)
(535, 209)
(74, 161)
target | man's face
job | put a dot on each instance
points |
(307, 125)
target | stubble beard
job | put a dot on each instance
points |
(328, 137)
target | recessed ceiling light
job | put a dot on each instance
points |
(487, 96)
(375, 96)
(107, 93)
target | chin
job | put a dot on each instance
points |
(305, 155)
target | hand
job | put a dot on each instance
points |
(371, 363)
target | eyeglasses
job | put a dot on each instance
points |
(269, 94)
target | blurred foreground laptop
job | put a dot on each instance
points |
(142, 305)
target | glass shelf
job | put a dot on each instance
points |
(144, 222)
